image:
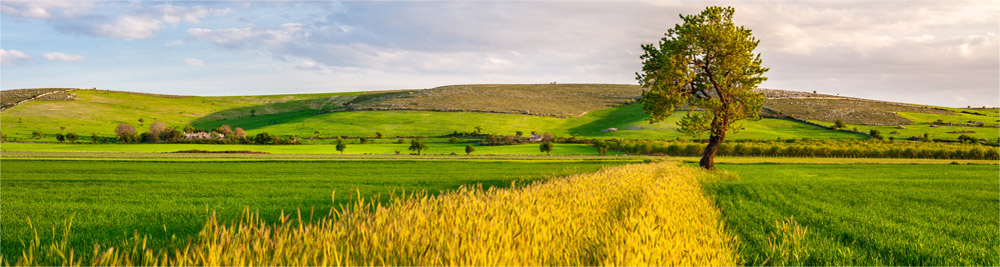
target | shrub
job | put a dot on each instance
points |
(72, 137)
(839, 124)
(60, 137)
(469, 149)
(125, 132)
(157, 127)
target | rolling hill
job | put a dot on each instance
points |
(581, 110)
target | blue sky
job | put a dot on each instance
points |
(943, 53)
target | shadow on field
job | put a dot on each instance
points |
(264, 115)
(617, 117)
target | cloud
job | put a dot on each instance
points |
(131, 22)
(194, 62)
(56, 56)
(45, 9)
(13, 57)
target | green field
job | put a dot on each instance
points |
(867, 214)
(111, 199)
(922, 124)
(378, 149)
(99, 112)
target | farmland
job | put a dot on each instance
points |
(379, 149)
(789, 192)
(113, 198)
(865, 214)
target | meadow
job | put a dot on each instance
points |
(609, 217)
(99, 112)
(172, 199)
(862, 214)
(378, 149)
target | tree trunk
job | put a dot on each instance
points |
(708, 158)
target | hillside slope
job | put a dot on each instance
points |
(578, 110)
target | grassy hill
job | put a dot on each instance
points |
(581, 110)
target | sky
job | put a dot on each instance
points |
(943, 53)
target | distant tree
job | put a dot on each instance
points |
(876, 134)
(60, 137)
(253, 113)
(149, 137)
(240, 133)
(141, 121)
(469, 149)
(401, 141)
(378, 135)
(224, 130)
(125, 132)
(839, 124)
(157, 127)
(316, 133)
(72, 137)
(93, 138)
(62, 128)
(548, 137)
(534, 133)
(453, 140)
(363, 140)
(706, 63)
(417, 145)
(188, 129)
(519, 133)
(967, 139)
(36, 134)
(479, 130)
(263, 139)
(602, 147)
(341, 146)
(171, 135)
(546, 147)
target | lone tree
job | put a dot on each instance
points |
(546, 147)
(469, 149)
(417, 145)
(706, 64)
(341, 146)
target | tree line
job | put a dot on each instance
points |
(817, 148)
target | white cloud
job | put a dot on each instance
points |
(45, 9)
(194, 62)
(56, 56)
(131, 22)
(13, 57)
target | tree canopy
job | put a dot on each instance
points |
(706, 64)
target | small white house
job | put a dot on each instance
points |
(535, 138)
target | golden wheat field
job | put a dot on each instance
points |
(639, 214)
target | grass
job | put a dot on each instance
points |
(848, 161)
(863, 214)
(99, 112)
(550, 100)
(922, 125)
(380, 149)
(640, 214)
(631, 123)
(850, 110)
(111, 199)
